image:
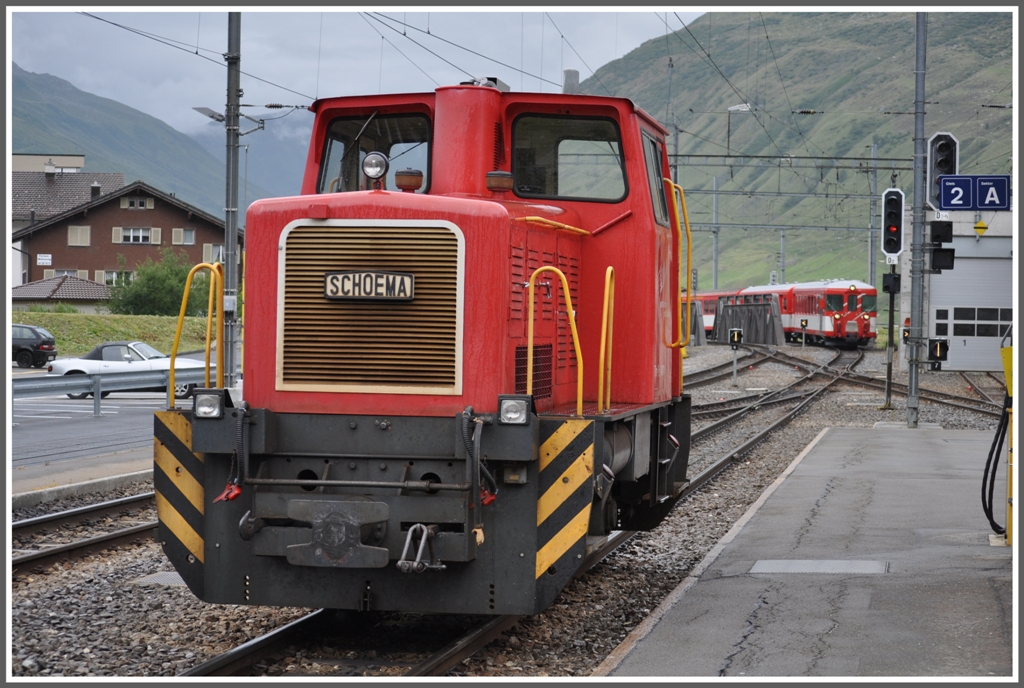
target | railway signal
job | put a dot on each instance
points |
(735, 337)
(942, 258)
(938, 350)
(892, 222)
(943, 158)
(803, 333)
(891, 283)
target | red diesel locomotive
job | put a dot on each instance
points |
(418, 431)
(837, 312)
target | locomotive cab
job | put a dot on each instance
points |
(441, 413)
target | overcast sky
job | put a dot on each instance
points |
(152, 65)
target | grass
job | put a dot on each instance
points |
(78, 333)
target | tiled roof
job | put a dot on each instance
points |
(63, 288)
(51, 194)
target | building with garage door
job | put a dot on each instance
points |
(972, 304)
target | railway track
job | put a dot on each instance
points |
(245, 658)
(48, 554)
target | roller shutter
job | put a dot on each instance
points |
(972, 306)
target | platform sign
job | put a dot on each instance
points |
(974, 192)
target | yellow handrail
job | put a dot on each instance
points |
(684, 338)
(607, 318)
(551, 223)
(216, 286)
(575, 337)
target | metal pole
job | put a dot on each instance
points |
(714, 238)
(233, 58)
(735, 359)
(782, 257)
(889, 348)
(872, 256)
(917, 244)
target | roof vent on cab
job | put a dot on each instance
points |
(492, 81)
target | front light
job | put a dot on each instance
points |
(207, 404)
(514, 411)
(836, 316)
(375, 165)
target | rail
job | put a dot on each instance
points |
(536, 219)
(99, 383)
(679, 207)
(604, 372)
(216, 288)
(571, 314)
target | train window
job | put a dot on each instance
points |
(405, 139)
(833, 302)
(568, 157)
(851, 302)
(652, 155)
(869, 302)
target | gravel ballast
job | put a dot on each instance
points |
(91, 619)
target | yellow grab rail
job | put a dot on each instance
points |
(684, 337)
(604, 373)
(551, 223)
(216, 287)
(575, 337)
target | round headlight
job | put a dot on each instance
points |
(375, 165)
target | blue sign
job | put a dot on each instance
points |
(974, 192)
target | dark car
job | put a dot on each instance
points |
(32, 346)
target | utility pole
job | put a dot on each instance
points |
(233, 58)
(917, 243)
(782, 257)
(714, 239)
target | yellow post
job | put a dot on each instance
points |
(604, 372)
(216, 286)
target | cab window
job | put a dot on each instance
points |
(869, 302)
(833, 302)
(851, 303)
(655, 175)
(405, 139)
(567, 157)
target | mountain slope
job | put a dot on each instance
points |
(856, 72)
(49, 115)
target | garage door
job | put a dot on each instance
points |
(972, 306)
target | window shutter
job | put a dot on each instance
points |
(154, 235)
(83, 274)
(47, 274)
(177, 236)
(101, 276)
(117, 235)
(124, 201)
(150, 204)
(207, 253)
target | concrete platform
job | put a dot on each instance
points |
(870, 556)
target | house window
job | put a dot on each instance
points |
(213, 253)
(78, 236)
(135, 235)
(61, 273)
(183, 236)
(136, 202)
(114, 277)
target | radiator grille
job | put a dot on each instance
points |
(541, 370)
(378, 346)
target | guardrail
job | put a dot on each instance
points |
(103, 382)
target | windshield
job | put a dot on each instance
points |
(147, 351)
(833, 302)
(405, 139)
(869, 303)
(568, 157)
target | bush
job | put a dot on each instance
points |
(55, 308)
(157, 287)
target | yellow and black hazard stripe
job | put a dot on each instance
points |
(565, 494)
(178, 475)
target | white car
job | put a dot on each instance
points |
(124, 357)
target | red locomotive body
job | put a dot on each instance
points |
(395, 449)
(826, 312)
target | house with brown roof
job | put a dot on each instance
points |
(85, 295)
(135, 221)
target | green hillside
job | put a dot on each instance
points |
(851, 69)
(49, 115)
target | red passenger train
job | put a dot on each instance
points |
(441, 412)
(842, 312)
